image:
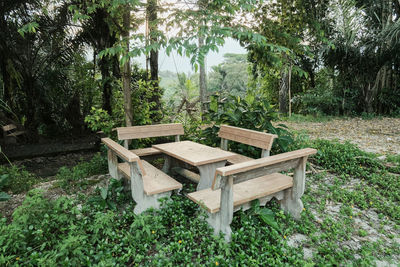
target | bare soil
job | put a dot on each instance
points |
(378, 135)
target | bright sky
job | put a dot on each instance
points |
(183, 63)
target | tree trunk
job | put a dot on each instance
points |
(73, 114)
(31, 105)
(106, 84)
(289, 85)
(202, 81)
(6, 83)
(283, 91)
(152, 17)
(126, 75)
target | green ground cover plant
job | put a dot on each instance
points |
(351, 217)
(16, 179)
(72, 179)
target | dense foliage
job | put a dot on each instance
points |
(101, 229)
(252, 112)
(61, 59)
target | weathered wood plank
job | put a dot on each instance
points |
(246, 136)
(238, 159)
(9, 127)
(154, 181)
(147, 131)
(193, 153)
(148, 151)
(264, 162)
(244, 192)
(120, 151)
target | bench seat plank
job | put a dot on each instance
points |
(237, 158)
(14, 134)
(243, 192)
(154, 181)
(148, 151)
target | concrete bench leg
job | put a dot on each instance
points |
(143, 201)
(214, 220)
(293, 206)
(291, 202)
(113, 164)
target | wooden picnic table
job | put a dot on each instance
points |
(206, 159)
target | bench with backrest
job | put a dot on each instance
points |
(10, 133)
(148, 131)
(148, 184)
(248, 137)
(235, 186)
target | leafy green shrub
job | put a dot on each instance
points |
(74, 178)
(17, 179)
(252, 112)
(107, 197)
(3, 195)
(100, 120)
(36, 229)
(319, 100)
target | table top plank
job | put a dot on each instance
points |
(193, 153)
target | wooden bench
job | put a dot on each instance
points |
(248, 137)
(147, 131)
(10, 133)
(235, 186)
(148, 184)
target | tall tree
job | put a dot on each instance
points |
(35, 53)
(126, 76)
(152, 10)
(283, 23)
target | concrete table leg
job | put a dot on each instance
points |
(167, 164)
(207, 173)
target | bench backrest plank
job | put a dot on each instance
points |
(147, 131)
(9, 127)
(246, 136)
(264, 162)
(249, 169)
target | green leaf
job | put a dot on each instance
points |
(268, 217)
(4, 196)
(103, 193)
(214, 104)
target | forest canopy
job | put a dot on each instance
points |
(64, 61)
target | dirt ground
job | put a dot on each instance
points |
(378, 135)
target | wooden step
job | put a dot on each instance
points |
(243, 192)
(154, 181)
(148, 151)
